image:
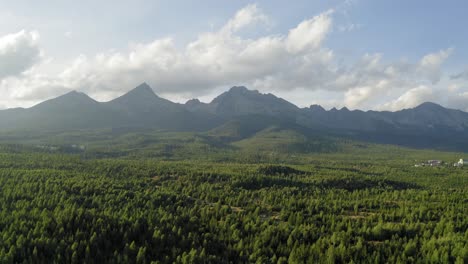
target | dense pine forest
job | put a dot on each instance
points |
(362, 204)
(225, 132)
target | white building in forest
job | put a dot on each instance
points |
(462, 162)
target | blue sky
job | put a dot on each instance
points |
(357, 53)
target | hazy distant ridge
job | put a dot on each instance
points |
(425, 125)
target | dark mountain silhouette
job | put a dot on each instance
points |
(73, 110)
(141, 107)
(143, 100)
(239, 101)
(240, 113)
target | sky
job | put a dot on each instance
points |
(360, 54)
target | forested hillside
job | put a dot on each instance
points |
(63, 208)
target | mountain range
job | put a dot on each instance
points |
(240, 113)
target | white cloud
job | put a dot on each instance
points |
(247, 16)
(309, 34)
(357, 96)
(214, 59)
(452, 88)
(18, 53)
(297, 61)
(455, 96)
(370, 80)
(411, 98)
(430, 65)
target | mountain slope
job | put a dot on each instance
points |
(241, 113)
(425, 117)
(143, 100)
(242, 127)
(426, 126)
(430, 115)
(73, 110)
(287, 140)
(141, 107)
(239, 101)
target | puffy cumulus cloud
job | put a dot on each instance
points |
(370, 80)
(446, 93)
(28, 90)
(309, 34)
(356, 96)
(411, 98)
(214, 59)
(430, 65)
(18, 53)
(297, 61)
(247, 16)
(455, 94)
